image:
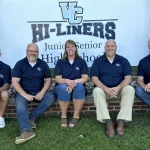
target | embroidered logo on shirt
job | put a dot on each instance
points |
(77, 68)
(117, 65)
(39, 69)
(1, 76)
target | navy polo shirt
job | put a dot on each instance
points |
(31, 78)
(144, 69)
(5, 74)
(109, 74)
(72, 72)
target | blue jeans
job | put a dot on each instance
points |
(22, 110)
(77, 93)
(142, 95)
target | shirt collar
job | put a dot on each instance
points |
(115, 59)
(26, 60)
(67, 61)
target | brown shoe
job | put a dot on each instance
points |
(25, 136)
(120, 128)
(110, 132)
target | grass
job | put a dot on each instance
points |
(50, 136)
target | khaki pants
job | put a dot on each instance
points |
(127, 98)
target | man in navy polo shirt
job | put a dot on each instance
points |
(31, 79)
(143, 79)
(5, 78)
(111, 74)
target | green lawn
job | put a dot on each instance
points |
(50, 136)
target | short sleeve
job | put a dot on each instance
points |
(7, 77)
(58, 68)
(17, 70)
(127, 68)
(94, 69)
(84, 67)
(140, 69)
(47, 73)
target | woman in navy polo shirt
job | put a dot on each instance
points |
(71, 73)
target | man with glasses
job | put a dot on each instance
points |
(31, 79)
(143, 79)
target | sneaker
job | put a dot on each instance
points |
(2, 122)
(33, 124)
(25, 136)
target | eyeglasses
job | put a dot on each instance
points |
(31, 51)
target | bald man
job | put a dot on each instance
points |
(111, 75)
(31, 79)
(143, 79)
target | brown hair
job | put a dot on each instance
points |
(65, 55)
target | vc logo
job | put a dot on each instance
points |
(70, 11)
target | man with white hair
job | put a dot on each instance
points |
(31, 79)
(112, 74)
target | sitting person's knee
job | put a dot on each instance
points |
(4, 95)
(139, 91)
(49, 97)
(97, 90)
(61, 87)
(80, 86)
(128, 89)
